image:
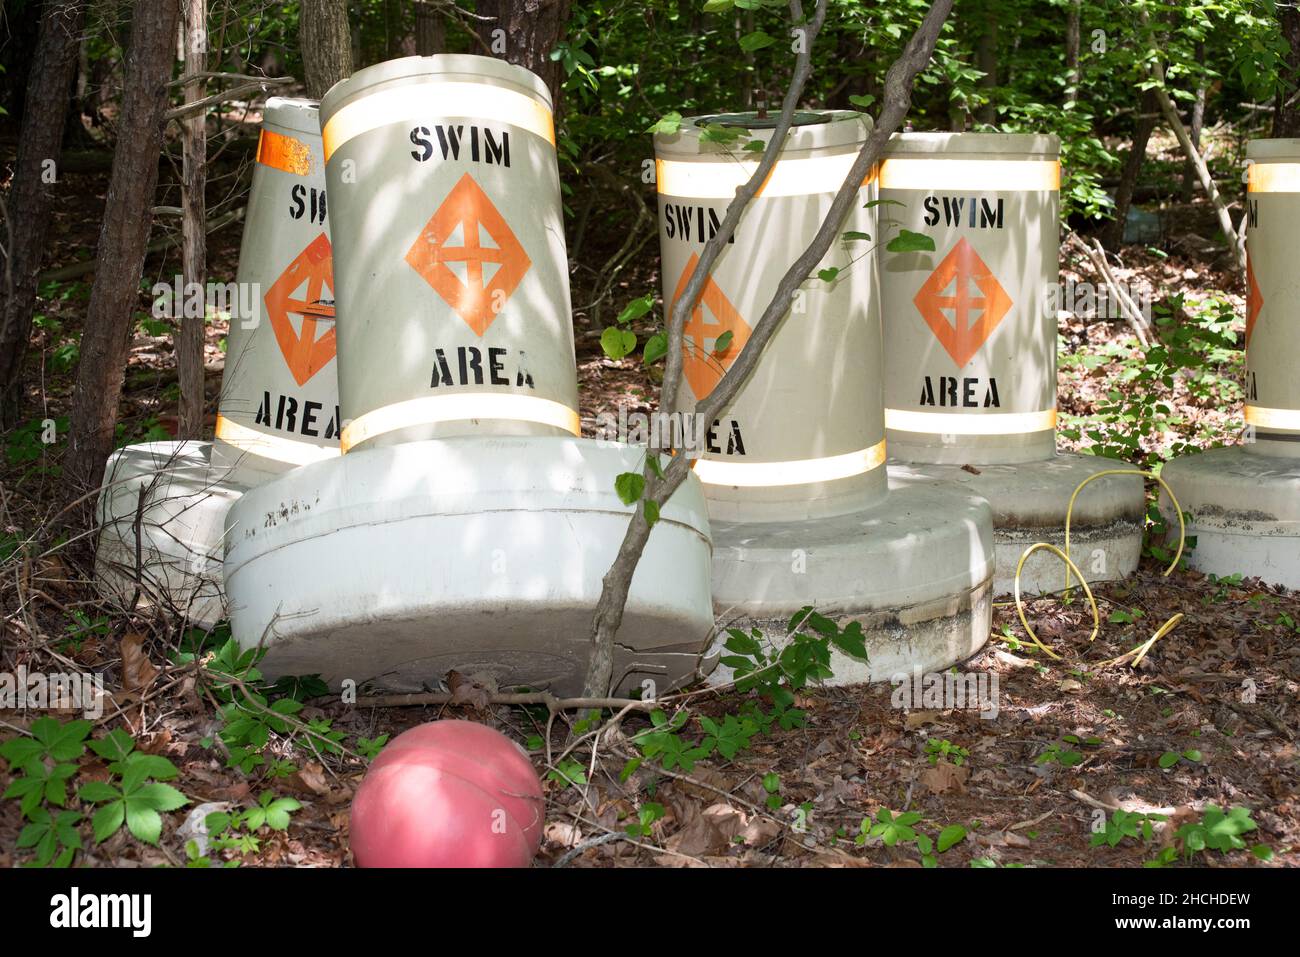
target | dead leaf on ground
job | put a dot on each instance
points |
(944, 776)
(138, 672)
(917, 719)
(473, 690)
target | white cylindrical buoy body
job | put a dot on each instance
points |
(450, 257)
(970, 328)
(970, 346)
(804, 436)
(1273, 298)
(1243, 502)
(483, 555)
(161, 513)
(279, 393)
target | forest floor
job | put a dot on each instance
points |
(1217, 694)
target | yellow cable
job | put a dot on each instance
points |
(1020, 605)
(1069, 512)
(1140, 651)
(1143, 648)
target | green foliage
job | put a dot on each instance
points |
(1124, 824)
(44, 765)
(1055, 754)
(945, 750)
(1216, 831)
(1170, 758)
(647, 814)
(894, 830)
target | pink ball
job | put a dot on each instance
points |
(448, 794)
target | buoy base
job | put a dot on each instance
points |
(1029, 502)
(393, 566)
(914, 569)
(181, 520)
(1245, 513)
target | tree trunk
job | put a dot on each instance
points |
(194, 239)
(529, 31)
(1073, 75)
(430, 30)
(326, 44)
(1113, 233)
(30, 196)
(1286, 115)
(122, 241)
(986, 61)
(1198, 121)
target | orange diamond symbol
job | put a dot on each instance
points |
(1254, 299)
(703, 364)
(962, 302)
(311, 273)
(491, 271)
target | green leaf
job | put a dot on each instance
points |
(757, 40)
(64, 742)
(630, 486)
(114, 746)
(152, 766)
(1191, 754)
(828, 274)
(18, 751)
(1168, 759)
(656, 347)
(862, 100)
(107, 820)
(853, 236)
(636, 309)
(617, 342)
(723, 343)
(651, 511)
(668, 125)
(909, 242)
(143, 822)
(94, 792)
(160, 797)
(950, 835)
(1263, 852)
(277, 813)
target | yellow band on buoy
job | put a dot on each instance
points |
(271, 446)
(411, 102)
(798, 472)
(433, 409)
(1273, 178)
(951, 423)
(284, 153)
(1021, 176)
(1272, 418)
(711, 179)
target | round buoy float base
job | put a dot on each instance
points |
(1245, 513)
(395, 565)
(914, 569)
(182, 521)
(1029, 502)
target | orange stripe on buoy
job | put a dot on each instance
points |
(284, 153)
